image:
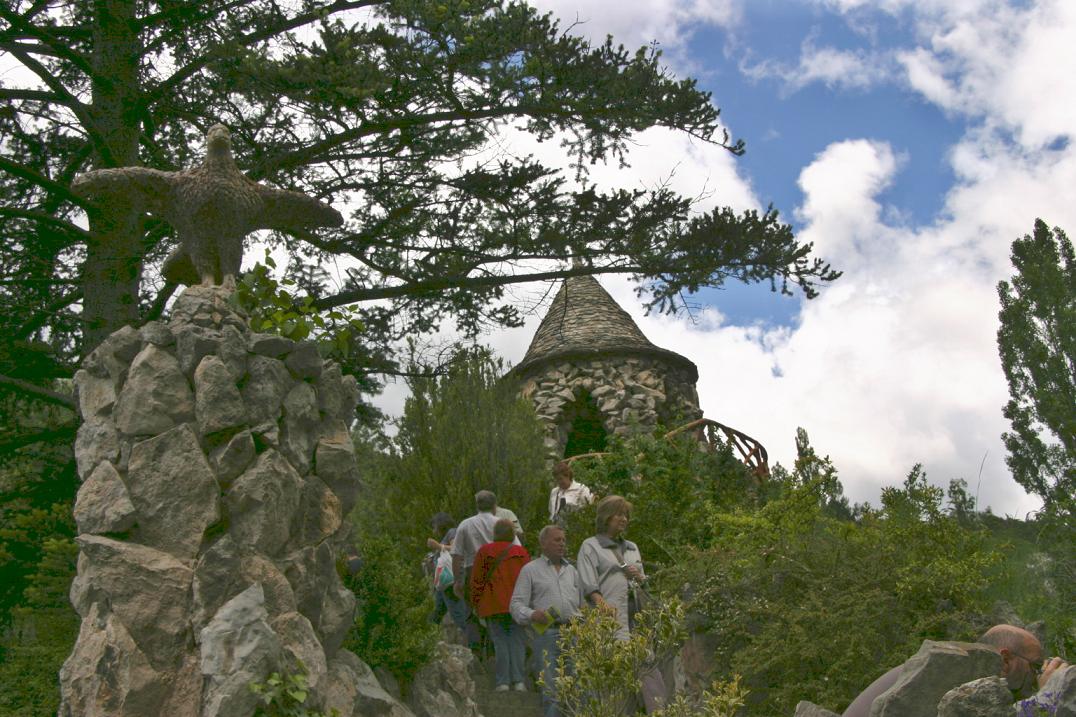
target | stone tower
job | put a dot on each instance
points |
(591, 373)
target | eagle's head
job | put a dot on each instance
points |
(218, 140)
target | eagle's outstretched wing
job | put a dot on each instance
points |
(151, 189)
(291, 210)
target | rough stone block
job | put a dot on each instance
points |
(300, 426)
(937, 668)
(96, 394)
(261, 504)
(320, 595)
(233, 352)
(102, 504)
(174, 491)
(301, 647)
(270, 345)
(330, 389)
(334, 462)
(156, 396)
(985, 697)
(224, 571)
(95, 441)
(319, 514)
(106, 662)
(304, 361)
(218, 405)
(232, 458)
(156, 333)
(810, 709)
(146, 589)
(238, 647)
(352, 689)
(265, 388)
(193, 343)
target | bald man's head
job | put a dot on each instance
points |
(1021, 654)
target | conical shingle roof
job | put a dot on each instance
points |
(584, 322)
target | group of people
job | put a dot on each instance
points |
(495, 581)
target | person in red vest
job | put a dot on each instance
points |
(496, 567)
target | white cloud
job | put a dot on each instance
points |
(669, 22)
(896, 363)
(855, 69)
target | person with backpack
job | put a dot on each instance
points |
(493, 578)
(438, 567)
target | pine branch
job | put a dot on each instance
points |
(63, 433)
(20, 386)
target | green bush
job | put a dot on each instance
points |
(598, 675)
(674, 487)
(391, 627)
(285, 696)
(806, 606)
(461, 432)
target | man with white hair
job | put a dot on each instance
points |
(547, 595)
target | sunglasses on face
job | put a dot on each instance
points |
(1036, 665)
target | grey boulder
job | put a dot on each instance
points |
(102, 504)
(147, 590)
(304, 362)
(985, 697)
(300, 425)
(156, 395)
(261, 503)
(334, 463)
(810, 709)
(231, 458)
(238, 647)
(266, 385)
(217, 403)
(443, 687)
(937, 668)
(96, 441)
(173, 490)
(223, 571)
(353, 690)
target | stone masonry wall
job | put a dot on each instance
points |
(632, 393)
(216, 470)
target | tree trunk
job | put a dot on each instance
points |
(113, 268)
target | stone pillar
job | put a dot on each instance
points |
(216, 469)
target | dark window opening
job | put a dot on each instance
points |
(586, 433)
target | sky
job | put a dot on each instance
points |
(911, 143)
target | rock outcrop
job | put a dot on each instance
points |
(810, 709)
(217, 470)
(937, 668)
(985, 697)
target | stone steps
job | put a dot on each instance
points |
(505, 704)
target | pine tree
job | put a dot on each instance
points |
(1037, 343)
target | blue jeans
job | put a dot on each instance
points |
(446, 601)
(508, 648)
(546, 651)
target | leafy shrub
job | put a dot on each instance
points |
(391, 628)
(806, 606)
(285, 696)
(598, 675)
(460, 433)
(674, 488)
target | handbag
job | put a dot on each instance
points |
(442, 573)
(639, 598)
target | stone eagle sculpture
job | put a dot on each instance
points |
(212, 207)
